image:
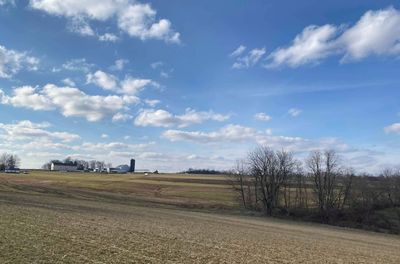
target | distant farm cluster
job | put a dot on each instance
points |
(69, 165)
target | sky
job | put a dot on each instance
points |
(199, 84)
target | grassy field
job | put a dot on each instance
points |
(161, 218)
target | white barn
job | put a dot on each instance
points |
(55, 166)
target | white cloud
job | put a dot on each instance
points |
(120, 117)
(294, 112)
(310, 46)
(27, 130)
(135, 19)
(69, 82)
(104, 136)
(191, 116)
(152, 103)
(158, 118)
(108, 37)
(156, 64)
(262, 117)
(164, 74)
(129, 86)
(27, 96)
(393, 128)
(74, 8)
(12, 61)
(103, 80)
(77, 65)
(115, 146)
(133, 86)
(251, 59)
(227, 133)
(138, 20)
(249, 136)
(81, 27)
(119, 64)
(375, 33)
(71, 102)
(163, 118)
(238, 51)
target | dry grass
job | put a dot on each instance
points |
(45, 219)
(204, 191)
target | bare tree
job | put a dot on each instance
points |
(9, 161)
(238, 176)
(100, 165)
(270, 170)
(331, 184)
(92, 164)
(391, 188)
(3, 161)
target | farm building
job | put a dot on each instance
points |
(11, 170)
(119, 169)
(58, 166)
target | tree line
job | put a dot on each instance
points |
(205, 171)
(321, 189)
(9, 161)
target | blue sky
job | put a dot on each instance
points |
(179, 84)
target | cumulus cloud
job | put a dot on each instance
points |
(70, 101)
(119, 64)
(262, 117)
(136, 19)
(294, 112)
(377, 32)
(108, 37)
(310, 46)
(139, 20)
(132, 85)
(68, 81)
(28, 96)
(103, 80)
(121, 117)
(163, 118)
(81, 27)
(12, 61)
(249, 60)
(27, 130)
(393, 128)
(129, 86)
(152, 103)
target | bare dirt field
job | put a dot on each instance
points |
(82, 218)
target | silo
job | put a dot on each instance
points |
(132, 168)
